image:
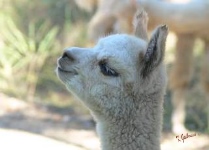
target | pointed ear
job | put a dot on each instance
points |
(155, 51)
(140, 24)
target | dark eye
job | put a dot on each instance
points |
(106, 70)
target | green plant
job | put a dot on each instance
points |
(23, 56)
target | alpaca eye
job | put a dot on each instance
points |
(106, 70)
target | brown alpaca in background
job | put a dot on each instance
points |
(188, 20)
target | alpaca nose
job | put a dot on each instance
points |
(68, 54)
(75, 54)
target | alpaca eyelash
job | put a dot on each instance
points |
(106, 70)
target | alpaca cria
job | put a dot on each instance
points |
(122, 81)
(188, 19)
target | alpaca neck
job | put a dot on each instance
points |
(140, 130)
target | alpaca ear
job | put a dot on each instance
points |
(140, 25)
(155, 51)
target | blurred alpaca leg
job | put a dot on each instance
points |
(205, 75)
(179, 80)
(124, 25)
(100, 25)
(179, 112)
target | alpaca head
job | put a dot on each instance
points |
(119, 67)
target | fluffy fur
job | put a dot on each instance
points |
(128, 106)
(188, 19)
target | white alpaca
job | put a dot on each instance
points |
(122, 81)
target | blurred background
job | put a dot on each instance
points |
(33, 35)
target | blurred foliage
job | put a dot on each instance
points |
(58, 13)
(32, 34)
(24, 55)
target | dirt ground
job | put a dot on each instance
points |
(35, 126)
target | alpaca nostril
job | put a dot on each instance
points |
(68, 55)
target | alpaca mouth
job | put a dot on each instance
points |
(60, 69)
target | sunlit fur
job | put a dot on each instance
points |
(127, 108)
